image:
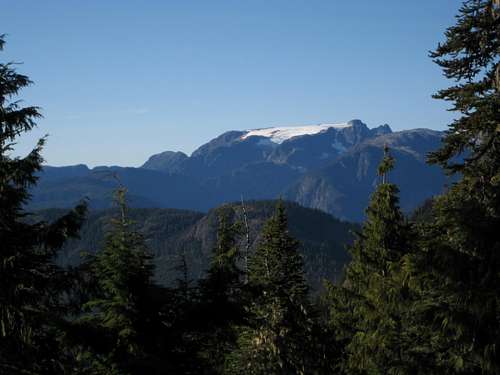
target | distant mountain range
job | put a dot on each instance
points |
(331, 167)
(171, 233)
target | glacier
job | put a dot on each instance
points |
(280, 134)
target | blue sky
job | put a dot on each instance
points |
(120, 80)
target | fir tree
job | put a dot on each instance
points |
(221, 295)
(457, 273)
(122, 313)
(368, 312)
(223, 277)
(276, 341)
(31, 285)
(470, 57)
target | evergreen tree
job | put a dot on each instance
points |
(368, 314)
(221, 295)
(457, 272)
(276, 340)
(124, 317)
(31, 285)
(222, 283)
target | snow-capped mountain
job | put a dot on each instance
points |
(299, 147)
(327, 166)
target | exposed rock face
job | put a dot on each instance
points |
(328, 166)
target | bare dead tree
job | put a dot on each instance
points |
(247, 237)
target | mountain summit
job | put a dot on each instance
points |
(327, 166)
(300, 147)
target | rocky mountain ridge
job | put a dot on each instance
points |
(331, 167)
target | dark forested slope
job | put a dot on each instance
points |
(169, 233)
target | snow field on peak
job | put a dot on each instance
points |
(283, 133)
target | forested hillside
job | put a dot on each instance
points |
(172, 234)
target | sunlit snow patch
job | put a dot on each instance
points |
(281, 134)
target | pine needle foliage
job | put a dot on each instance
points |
(457, 272)
(276, 339)
(222, 283)
(122, 310)
(221, 294)
(31, 285)
(368, 312)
